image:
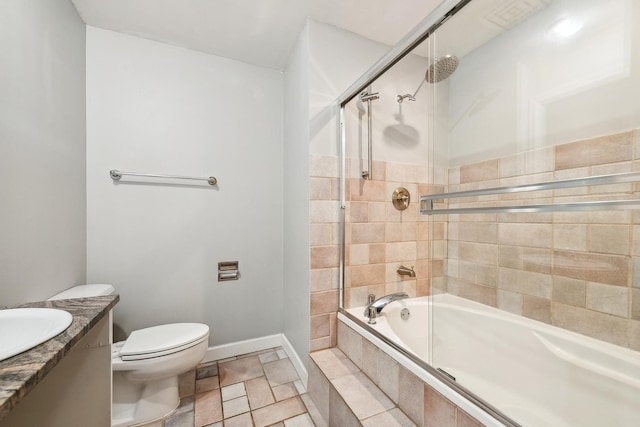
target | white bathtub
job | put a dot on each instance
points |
(536, 374)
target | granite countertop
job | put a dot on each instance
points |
(19, 374)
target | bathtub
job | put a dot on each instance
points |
(534, 373)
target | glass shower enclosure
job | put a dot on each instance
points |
(491, 170)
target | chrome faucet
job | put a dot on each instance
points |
(376, 305)
(405, 271)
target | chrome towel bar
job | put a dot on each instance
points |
(116, 175)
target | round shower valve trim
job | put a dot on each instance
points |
(401, 198)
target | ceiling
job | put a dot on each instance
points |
(259, 32)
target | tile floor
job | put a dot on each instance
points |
(253, 390)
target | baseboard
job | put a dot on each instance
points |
(301, 368)
(225, 351)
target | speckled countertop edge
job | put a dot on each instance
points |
(21, 373)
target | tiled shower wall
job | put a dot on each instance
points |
(380, 238)
(324, 217)
(576, 270)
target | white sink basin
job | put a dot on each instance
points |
(25, 328)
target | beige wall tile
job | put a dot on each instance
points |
(478, 252)
(324, 211)
(366, 190)
(393, 232)
(482, 171)
(570, 291)
(570, 237)
(525, 282)
(318, 389)
(388, 381)
(409, 231)
(358, 254)
(324, 256)
(324, 279)
(379, 170)
(635, 304)
(536, 308)
(510, 256)
(529, 235)
(591, 323)
(509, 301)
(402, 251)
(512, 165)
(368, 233)
(482, 294)
(377, 212)
(610, 269)
(465, 420)
(324, 166)
(320, 326)
(370, 274)
(596, 151)
(411, 395)
(321, 234)
(320, 344)
(358, 211)
(340, 414)
(610, 239)
(320, 189)
(324, 302)
(608, 299)
(438, 410)
(377, 253)
(537, 260)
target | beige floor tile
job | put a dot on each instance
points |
(234, 407)
(233, 391)
(278, 412)
(333, 363)
(303, 420)
(235, 371)
(206, 384)
(362, 395)
(243, 420)
(268, 357)
(284, 391)
(280, 372)
(209, 369)
(392, 418)
(259, 393)
(208, 408)
(186, 384)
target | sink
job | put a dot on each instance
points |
(24, 328)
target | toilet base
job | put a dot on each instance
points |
(138, 403)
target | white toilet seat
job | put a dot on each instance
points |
(162, 340)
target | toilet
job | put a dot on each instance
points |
(147, 364)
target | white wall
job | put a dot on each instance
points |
(530, 88)
(156, 108)
(296, 203)
(42, 149)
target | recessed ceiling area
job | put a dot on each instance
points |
(259, 32)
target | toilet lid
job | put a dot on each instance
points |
(163, 339)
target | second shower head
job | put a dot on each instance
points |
(439, 70)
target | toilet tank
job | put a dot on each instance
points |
(85, 291)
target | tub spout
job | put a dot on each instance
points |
(381, 303)
(405, 271)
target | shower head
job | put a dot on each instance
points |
(441, 68)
